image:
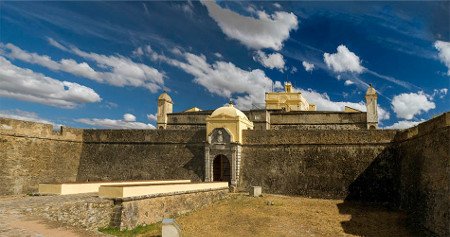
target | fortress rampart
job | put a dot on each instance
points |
(407, 169)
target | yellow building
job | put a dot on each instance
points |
(229, 118)
(288, 100)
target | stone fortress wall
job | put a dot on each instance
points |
(32, 153)
(305, 120)
(317, 163)
(408, 169)
(423, 154)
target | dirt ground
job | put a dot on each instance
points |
(241, 215)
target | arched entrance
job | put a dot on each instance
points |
(221, 169)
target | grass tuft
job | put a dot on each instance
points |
(153, 230)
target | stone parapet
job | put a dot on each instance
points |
(323, 137)
(19, 128)
(144, 136)
(424, 128)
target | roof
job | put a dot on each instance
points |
(165, 96)
(229, 111)
(371, 91)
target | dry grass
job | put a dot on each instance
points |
(241, 215)
(291, 216)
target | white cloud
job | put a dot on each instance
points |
(323, 102)
(227, 80)
(343, 60)
(444, 53)
(222, 78)
(56, 44)
(124, 72)
(266, 31)
(218, 55)
(277, 5)
(117, 69)
(407, 105)
(66, 65)
(129, 118)
(152, 117)
(348, 82)
(441, 93)
(404, 124)
(274, 60)
(23, 115)
(293, 70)
(115, 124)
(176, 51)
(309, 67)
(24, 84)
(138, 52)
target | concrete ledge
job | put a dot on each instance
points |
(126, 191)
(75, 188)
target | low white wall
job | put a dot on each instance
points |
(125, 191)
(75, 188)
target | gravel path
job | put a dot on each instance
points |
(16, 218)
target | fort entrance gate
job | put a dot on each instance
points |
(221, 169)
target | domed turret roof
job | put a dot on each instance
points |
(165, 96)
(371, 90)
(229, 111)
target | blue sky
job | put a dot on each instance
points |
(103, 64)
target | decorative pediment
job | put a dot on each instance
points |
(220, 136)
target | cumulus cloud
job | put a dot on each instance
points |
(120, 71)
(444, 53)
(309, 67)
(407, 105)
(66, 65)
(124, 72)
(117, 70)
(404, 124)
(129, 118)
(343, 60)
(152, 117)
(248, 86)
(218, 55)
(323, 102)
(128, 122)
(277, 5)
(24, 84)
(266, 31)
(23, 115)
(222, 78)
(274, 60)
